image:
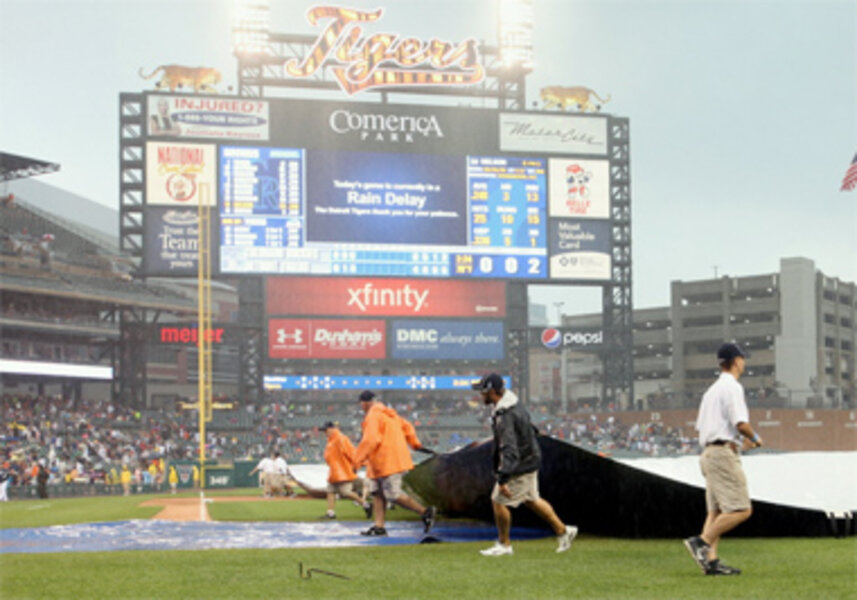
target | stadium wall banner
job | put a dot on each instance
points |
(374, 382)
(201, 117)
(579, 189)
(175, 172)
(356, 296)
(520, 132)
(447, 340)
(572, 338)
(326, 339)
(170, 239)
(580, 249)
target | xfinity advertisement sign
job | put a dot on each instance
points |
(447, 340)
(553, 338)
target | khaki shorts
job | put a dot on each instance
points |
(524, 488)
(725, 482)
(343, 488)
(389, 487)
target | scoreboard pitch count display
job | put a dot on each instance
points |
(372, 189)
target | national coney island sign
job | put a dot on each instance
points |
(384, 59)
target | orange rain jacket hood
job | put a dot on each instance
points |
(386, 437)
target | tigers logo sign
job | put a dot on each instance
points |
(383, 59)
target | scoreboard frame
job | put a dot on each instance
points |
(571, 149)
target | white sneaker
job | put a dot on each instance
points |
(497, 549)
(566, 538)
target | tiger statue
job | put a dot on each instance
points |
(200, 79)
(578, 96)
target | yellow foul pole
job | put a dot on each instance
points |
(204, 358)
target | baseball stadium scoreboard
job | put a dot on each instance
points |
(323, 188)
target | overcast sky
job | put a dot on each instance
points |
(743, 113)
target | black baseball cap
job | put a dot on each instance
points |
(327, 425)
(730, 351)
(367, 396)
(489, 382)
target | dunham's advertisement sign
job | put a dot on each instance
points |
(202, 117)
(357, 296)
(326, 338)
(447, 340)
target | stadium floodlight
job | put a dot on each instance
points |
(516, 34)
(252, 27)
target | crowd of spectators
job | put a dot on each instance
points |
(90, 441)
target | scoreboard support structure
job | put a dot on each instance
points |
(618, 306)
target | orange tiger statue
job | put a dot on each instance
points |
(200, 79)
(578, 96)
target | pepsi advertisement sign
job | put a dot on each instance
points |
(447, 340)
(553, 338)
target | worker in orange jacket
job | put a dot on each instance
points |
(384, 447)
(339, 456)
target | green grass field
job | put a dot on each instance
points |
(594, 568)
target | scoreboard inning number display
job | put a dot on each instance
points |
(360, 189)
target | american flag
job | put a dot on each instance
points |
(849, 182)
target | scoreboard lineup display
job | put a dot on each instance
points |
(371, 189)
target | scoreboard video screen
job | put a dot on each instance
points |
(370, 189)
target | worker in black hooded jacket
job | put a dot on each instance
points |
(516, 464)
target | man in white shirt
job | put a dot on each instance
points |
(724, 428)
(281, 475)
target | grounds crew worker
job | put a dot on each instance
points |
(722, 421)
(384, 447)
(339, 456)
(517, 458)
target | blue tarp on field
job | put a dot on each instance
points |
(153, 534)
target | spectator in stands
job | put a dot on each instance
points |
(339, 456)
(384, 446)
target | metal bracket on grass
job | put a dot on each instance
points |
(311, 570)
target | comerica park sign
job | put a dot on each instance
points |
(383, 59)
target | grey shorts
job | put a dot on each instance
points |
(524, 488)
(343, 488)
(725, 482)
(389, 487)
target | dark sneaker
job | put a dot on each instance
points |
(428, 518)
(367, 508)
(715, 567)
(698, 550)
(374, 530)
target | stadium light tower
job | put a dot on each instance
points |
(252, 27)
(516, 34)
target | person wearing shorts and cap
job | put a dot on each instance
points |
(339, 456)
(722, 421)
(384, 448)
(517, 458)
